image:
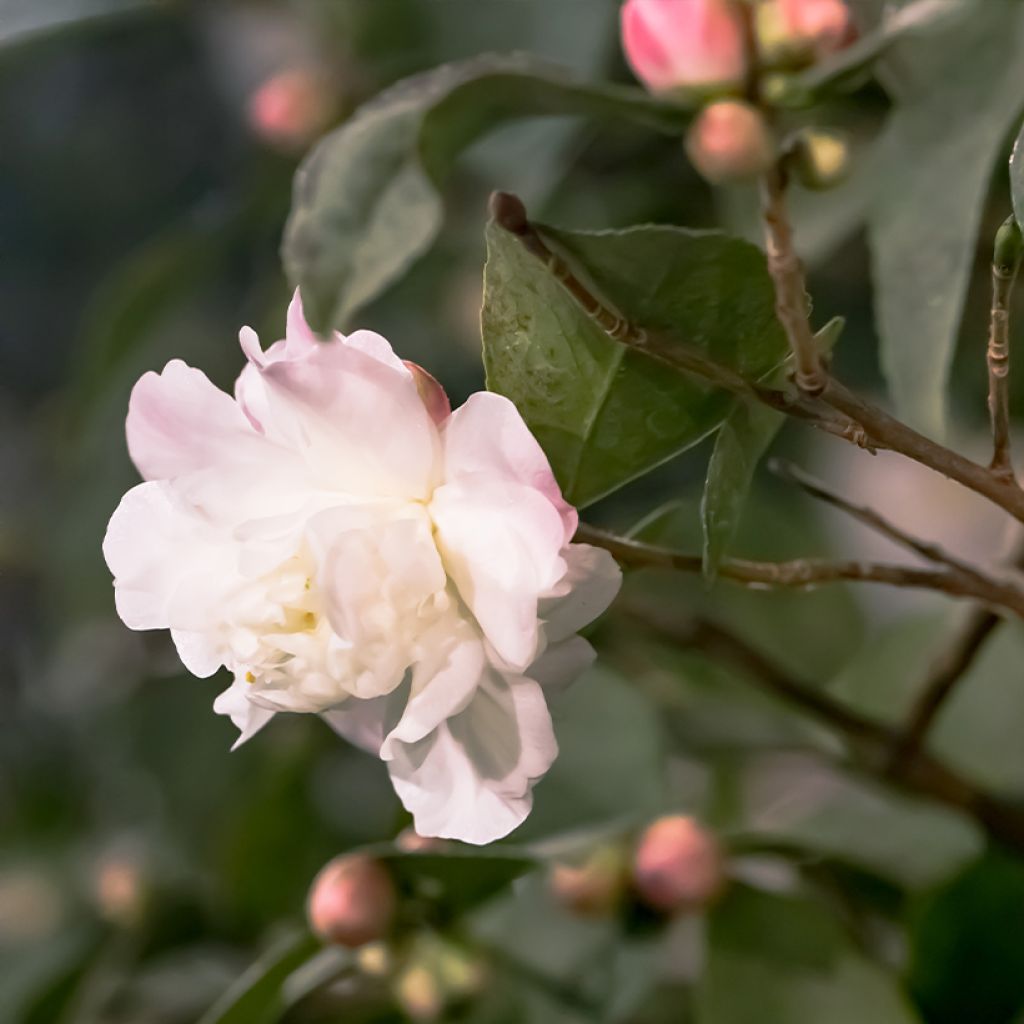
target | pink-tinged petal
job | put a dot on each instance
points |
(501, 543)
(357, 423)
(443, 682)
(645, 49)
(486, 437)
(563, 663)
(590, 584)
(472, 778)
(170, 567)
(178, 422)
(434, 396)
(247, 717)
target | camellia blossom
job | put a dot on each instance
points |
(346, 545)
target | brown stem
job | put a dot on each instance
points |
(945, 673)
(791, 303)
(998, 358)
(870, 518)
(836, 411)
(808, 572)
(870, 741)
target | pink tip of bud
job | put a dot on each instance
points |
(823, 26)
(352, 901)
(730, 141)
(593, 888)
(683, 44)
(433, 395)
(289, 109)
(678, 866)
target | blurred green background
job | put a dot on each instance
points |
(143, 191)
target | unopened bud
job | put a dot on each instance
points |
(352, 901)
(678, 866)
(684, 44)
(821, 159)
(798, 32)
(291, 108)
(593, 887)
(1009, 247)
(730, 141)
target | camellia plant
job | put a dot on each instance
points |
(346, 544)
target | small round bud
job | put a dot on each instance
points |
(794, 33)
(291, 108)
(821, 159)
(1009, 246)
(594, 887)
(678, 866)
(352, 901)
(730, 141)
(684, 44)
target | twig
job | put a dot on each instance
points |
(1005, 264)
(809, 572)
(870, 741)
(870, 518)
(947, 670)
(836, 411)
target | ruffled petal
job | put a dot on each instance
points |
(563, 663)
(590, 584)
(355, 418)
(472, 778)
(178, 423)
(365, 723)
(170, 567)
(248, 717)
(486, 437)
(501, 542)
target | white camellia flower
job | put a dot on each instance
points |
(346, 545)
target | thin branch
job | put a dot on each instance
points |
(870, 518)
(1005, 264)
(947, 670)
(836, 411)
(870, 741)
(806, 573)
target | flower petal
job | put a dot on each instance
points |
(472, 778)
(501, 543)
(563, 663)
(358, 422)
(248, 717)
(589, 586)
(178, 422)
(487, 437)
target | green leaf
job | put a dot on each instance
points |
(744, 437)
(920, 16)
(604, 413)
(23, 20)
(366, 203)
(962, 968)
(258, 997)
(935, 161)
(783, 960)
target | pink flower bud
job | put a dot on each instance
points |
(817, 27)
(352, 901)
(729, 141)
(689, 44)
(677, 866)
(593, 888)
(291, 108)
